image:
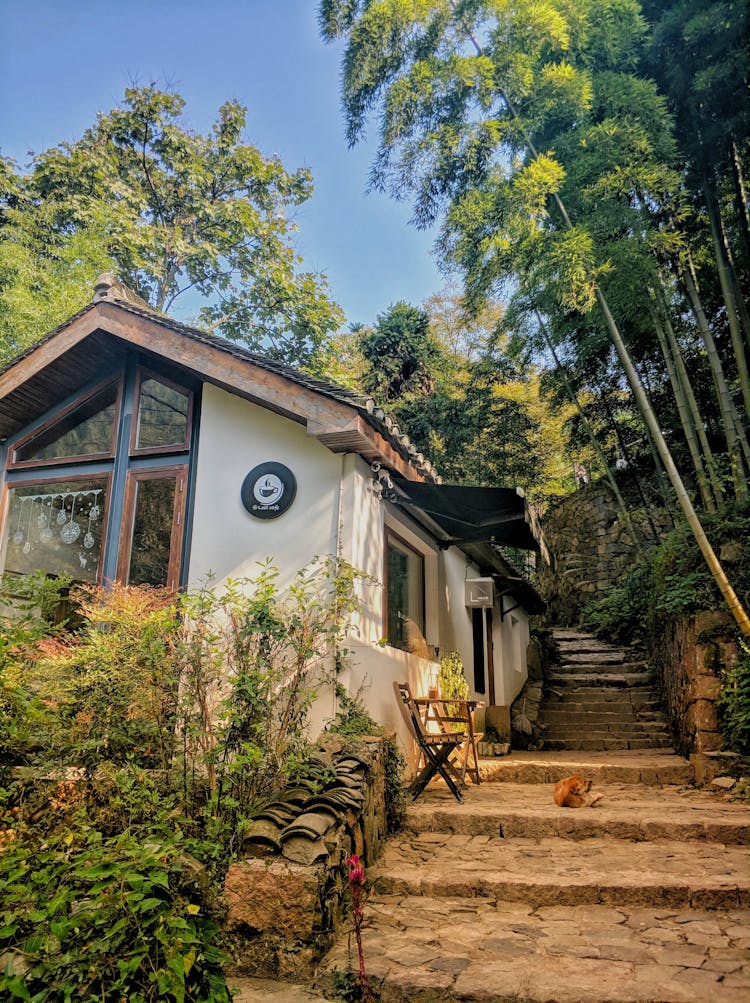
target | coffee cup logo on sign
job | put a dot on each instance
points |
(268, 490)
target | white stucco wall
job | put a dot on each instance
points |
(227, 541)
(511, 638)
(335, 510)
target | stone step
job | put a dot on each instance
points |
(573, 645)
(574, 739)
(615, 729)
(625, 811)
(614, 656)
(622, 703)
(573, 735)
(649, 768)
(553, 871)
(599, 668)
(607, 713)
(568, 688)
(606, 744)
(572, 634)
(422, 949)
(590, 726)
(590, 679)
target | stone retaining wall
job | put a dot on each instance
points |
(591, 547)
(689, 657)
(541, 654)
(286, 897)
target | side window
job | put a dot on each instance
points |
(66, 475)
(404, 577)
(163, 413)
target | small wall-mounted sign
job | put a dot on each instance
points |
(479, 592)
(268, 490)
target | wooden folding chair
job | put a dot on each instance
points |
(435, 747)
(447, 713)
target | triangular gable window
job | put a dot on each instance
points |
(86, 429)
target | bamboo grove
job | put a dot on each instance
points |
(586, 161)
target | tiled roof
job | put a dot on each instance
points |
(114, 292)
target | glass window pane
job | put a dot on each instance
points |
(405, 596)
(87, 429)
(152, 531)
(162, 415)
(56, 527)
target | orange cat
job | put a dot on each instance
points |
(572, 792)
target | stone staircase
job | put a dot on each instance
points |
(600, 697)
(644, 898)
(506, 897)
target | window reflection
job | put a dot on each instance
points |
(152, 531)
(84, 431)
(162, 415)
(56, 527)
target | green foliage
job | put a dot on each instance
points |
(452, 680)
(170, 210)
(536, 136)
(29, 609)
(394, 765)
(400, 354)
(159, 725)
(734, 704)
(352, 719)
(44, 278)
(89, 917)
(623, 614)
(461, 394)
(671, 582)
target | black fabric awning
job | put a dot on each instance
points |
(474, 515)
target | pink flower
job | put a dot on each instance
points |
(356, 870)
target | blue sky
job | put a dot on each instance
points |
(61, 61)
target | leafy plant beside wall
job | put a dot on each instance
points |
(135, 748)
(354, 721)
(451, 677)
(734, 704)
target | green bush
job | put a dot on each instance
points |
(452, 680)
(159, 724)
(734, 704)
(623, 614)
(86, 917)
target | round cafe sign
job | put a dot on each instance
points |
(268, 490)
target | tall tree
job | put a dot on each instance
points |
(473, 95)
(176, 212)
(458, 391)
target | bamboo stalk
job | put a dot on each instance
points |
(686, 418)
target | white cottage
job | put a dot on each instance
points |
(136, 448)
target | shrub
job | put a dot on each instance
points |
(623, 614)
(86, 917)
(160, 723)
(734, 704)
(452, 680)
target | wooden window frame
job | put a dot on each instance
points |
(390, 535)
(143, 373)
(14, 464)
(125, 544)
(64, 479)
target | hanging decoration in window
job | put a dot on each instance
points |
(48, 528)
